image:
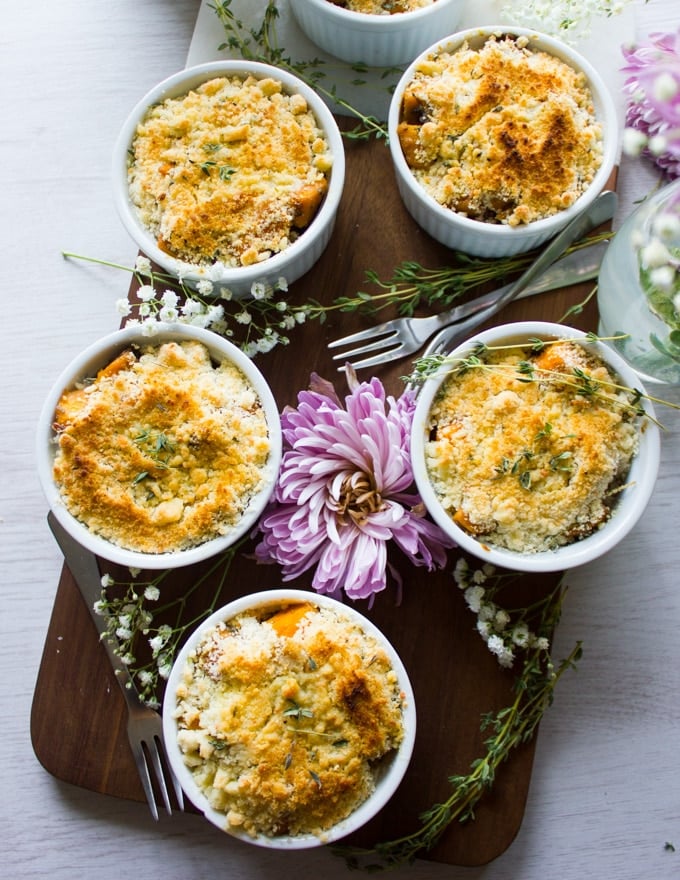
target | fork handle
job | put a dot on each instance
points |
(83, 565)
(601, 210)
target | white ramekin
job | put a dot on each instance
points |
(391, 771)
(632, 500)
(491, 239)
(375, 40)
(85, 366)
(295, 260)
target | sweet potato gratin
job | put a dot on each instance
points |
(500, 133)
(527, 450)
(282, 715)
(382, 7)
(231, 173)
(163, 450)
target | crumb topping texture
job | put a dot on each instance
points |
(282, 717)
(531, 465)
(500, 134)
(163, 450)
(232, 172)
(382, 7)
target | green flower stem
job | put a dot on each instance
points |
(512, 726)
(262, 45)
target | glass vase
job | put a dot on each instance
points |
(639, 288)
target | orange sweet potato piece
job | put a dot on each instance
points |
(124, 360)
(408, 138)
(285, 622)
(307, 200)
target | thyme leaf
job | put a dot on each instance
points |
(508, 729)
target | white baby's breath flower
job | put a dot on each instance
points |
(152, 593)
(107, 581)
(663, 277)
(192, 307)
(655, 254)
(156, 644)
(487, 612)
(123, 633)
(146, 293)
(243, 317)
(215, 314)
(143, 265)
(460, 571)
(282, 284)
(633, 142)
(666, 226)
(164, 669)
(664, 87)
(483, 629)
(99, 608)
(520, 635)
(542, 644)
(145, 678)
(501, 619)
(123, 307)
(258, 290)
(225, 294)
(169, 298)
(473, 597)
(496, 645)
(267, 342)
(169, 315)
(205, 287)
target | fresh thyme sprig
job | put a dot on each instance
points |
(509, 728)
(133, 614)
(261, 44)
(412, 285)
(578, 379)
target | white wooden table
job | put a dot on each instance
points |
(605, 793)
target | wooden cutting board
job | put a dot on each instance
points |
(78, 716)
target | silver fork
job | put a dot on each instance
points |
(403, 336)
(144, 727)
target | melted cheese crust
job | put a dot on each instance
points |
(282, 726)
(382, 7)
(530, 465)
(501, 134)
(231, 172)
(163, 450)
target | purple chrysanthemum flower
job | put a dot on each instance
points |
(653, 89)
(345, 491)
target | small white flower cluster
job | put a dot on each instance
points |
(128, 617)
(568, 20)
(494, 624)
(264, 318)
(659, 253)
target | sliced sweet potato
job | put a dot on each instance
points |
(285, 622)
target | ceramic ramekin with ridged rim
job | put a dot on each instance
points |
(375, 40)
(388, 775)
(494, 239)
(291, 263)
(84, 367)
(632, 501)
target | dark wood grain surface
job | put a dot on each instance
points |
(78, 715)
